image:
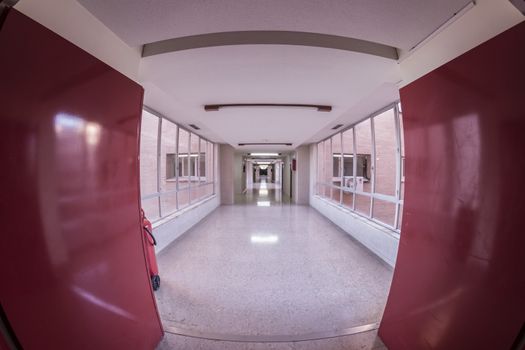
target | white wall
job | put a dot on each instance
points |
(485, 20)
(166, 231)
(286, 175)
(380, 240)
(226, 161)
(239, 178)
(249, 174)
(73, 22)
(301, 177)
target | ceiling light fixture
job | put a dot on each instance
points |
(262, 154)
(216, 107)
(265, 144)
(195, 126)
(337, 126)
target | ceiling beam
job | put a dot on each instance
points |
(270, 37)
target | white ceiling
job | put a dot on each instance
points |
(179, 84)
(398, 23)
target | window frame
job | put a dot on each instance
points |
(396, 198)
(160, 193)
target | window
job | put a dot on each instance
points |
(386, 163)
(366, 166)
(320, 168)
(170, 166)
(348, 180)
(386, 153)
(171, 161)
(148, 163)
(327, 173)
(168, 183)
(194, 167)
(363, 136)
(184, 157)
(209, 169)
(202, 161)
(337, 169)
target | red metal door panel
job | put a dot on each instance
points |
(459, 281)
(72, 260)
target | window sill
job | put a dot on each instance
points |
(387, 230)
(178, 213)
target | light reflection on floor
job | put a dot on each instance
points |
(278, 269)
(263, 194)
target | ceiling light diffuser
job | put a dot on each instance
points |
(319, 108)
(263, 154)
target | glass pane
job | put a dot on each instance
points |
(320, 166)
(362, 204)
(328, 164)
(324, 191)
(194, 160)
(210, 163)
(348, 199)
(208, 190)
(336, 195)
(184, 155)
(363, 137)
(400, 221)
(327, 192)
(184, 198)
(148, 153)
(168, 203)
(151, 208)
(386, 153)
(348, 159)
(337, 149)
(318, 189)
(196, 193)
(203, 161)
(384, 211)
(168, 152)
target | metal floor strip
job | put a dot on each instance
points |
(171, 327)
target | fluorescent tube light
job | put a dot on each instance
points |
(262, 154)
(319, 108)
(264, 239)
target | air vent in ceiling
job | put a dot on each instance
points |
(195, 126)
(337, 126)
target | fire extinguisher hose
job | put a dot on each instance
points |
(151, 235)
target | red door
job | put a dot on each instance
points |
(71, 255)
(459, 280)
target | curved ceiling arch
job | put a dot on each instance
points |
(270, 37)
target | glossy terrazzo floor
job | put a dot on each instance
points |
(262, 267)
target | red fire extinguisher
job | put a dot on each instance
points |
(150, 242)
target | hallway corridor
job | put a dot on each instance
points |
(272, 272)
(233, 175)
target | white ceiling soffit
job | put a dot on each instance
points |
(400, 23)
(378, 99)
(179, 84)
